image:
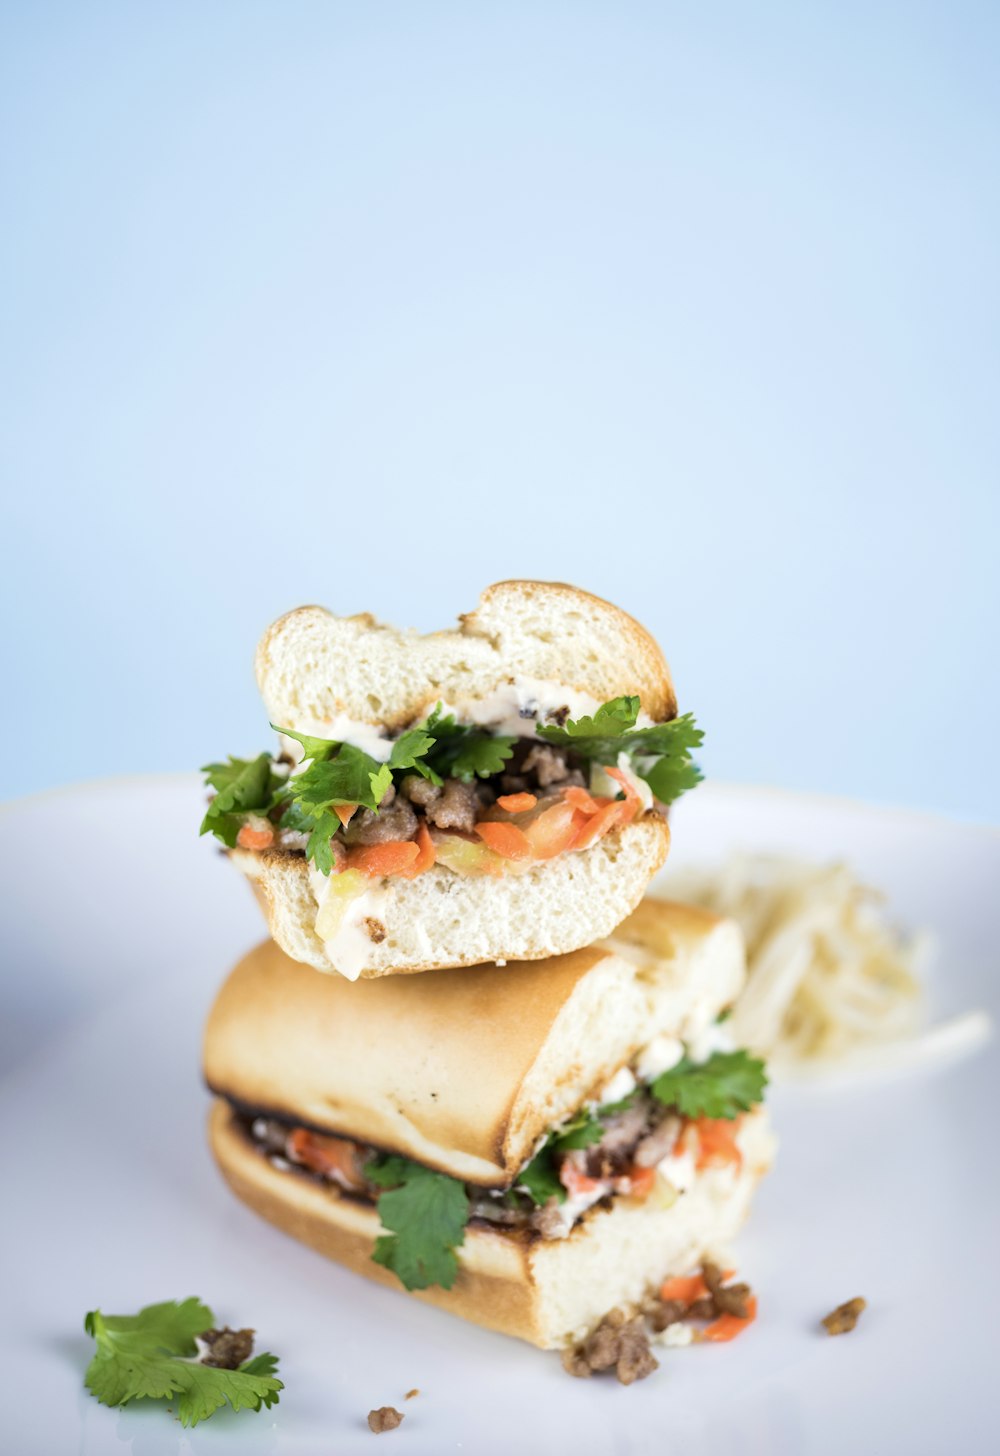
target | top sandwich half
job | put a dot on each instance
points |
(492, 792)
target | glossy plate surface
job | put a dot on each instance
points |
(112, 946)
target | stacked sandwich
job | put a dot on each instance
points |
(549, 1131)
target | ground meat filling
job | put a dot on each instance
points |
(618, 1343)
(644, 1127)
(451, 805)
(534, 767)
(226, 1349)
(385, 1418)
(395, 820)
(842, 1320)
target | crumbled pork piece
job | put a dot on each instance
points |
(411, 1393)
(451, 805)
(227, 1349)
(617, 1343)
(658, 1144)
(727, 1298)
(386, 1418)
(548, 764)
(842, 1320)
(394, 820)
(375, 930)
(667, 1312)
(622, 1132)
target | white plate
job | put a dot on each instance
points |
(119, 924)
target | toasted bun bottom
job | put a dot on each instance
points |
(548, 1292)
(446, 919)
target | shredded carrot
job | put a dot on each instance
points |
(325, 1154)
(598, 824)
(345, 812)
(641, 1181)
(250, 838)
(583, 801)
(688, 1287)
(684, 1287)
(716, 1138)
(632, 803)
(505, 839)
(728, 1326)
(426, 854)
(517, 803)
(390, 858)
(575, 1181)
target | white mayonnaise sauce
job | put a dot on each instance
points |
(515, 707)
(619, 1086)
(369, 737)
(715, 1037)
(662, 1053)
(679, 1170)
(350, 947)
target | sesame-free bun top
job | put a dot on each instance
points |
(465, 1069)
(314, 668)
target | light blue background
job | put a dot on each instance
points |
(372, 304)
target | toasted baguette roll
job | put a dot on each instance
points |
(446, 919)
(549, 1292)
(314, 668)
(465, 1070)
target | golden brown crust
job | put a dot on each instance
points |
(382, 1061)
(623, 658)
(493, 1287)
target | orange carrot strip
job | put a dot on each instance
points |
(517, 803)
(728, 1326)
(641, 1181)
(633, 803)
(685, 1287)
(250, 838)
(581, 800)
(390, 858)
(345, 812)
(426, 854)
(505, 839)
(598, 824)
(716, 1140)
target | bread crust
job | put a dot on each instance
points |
(543, 1291)
(312, 666)
(442, 919)
(399, 1063)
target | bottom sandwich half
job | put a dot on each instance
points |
(550, 1292)
(530, 1146)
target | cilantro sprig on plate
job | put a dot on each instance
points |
(151, 1355)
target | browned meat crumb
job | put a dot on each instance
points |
(227, 1349)
(726, 1298)
(375, 929)
(617, 1343)
(667, 1312)
(842, 1320)
(386, 1418)
(703, 1308)
(451, 805)
(394, 820)
(411, 1393)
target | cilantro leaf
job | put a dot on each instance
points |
(611, 720)
(426, 1213)
(243, 786)
(481, 755)
(540, 1180)
(410, 750)
(319, 849)
(314, 748)
(663, 749)
(150, 1355)
(582, 1131)
(727, 1084)
(352, 777)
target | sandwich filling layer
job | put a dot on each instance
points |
(641, 1137)
(452, 790)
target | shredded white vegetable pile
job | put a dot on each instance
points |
(829, 978)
